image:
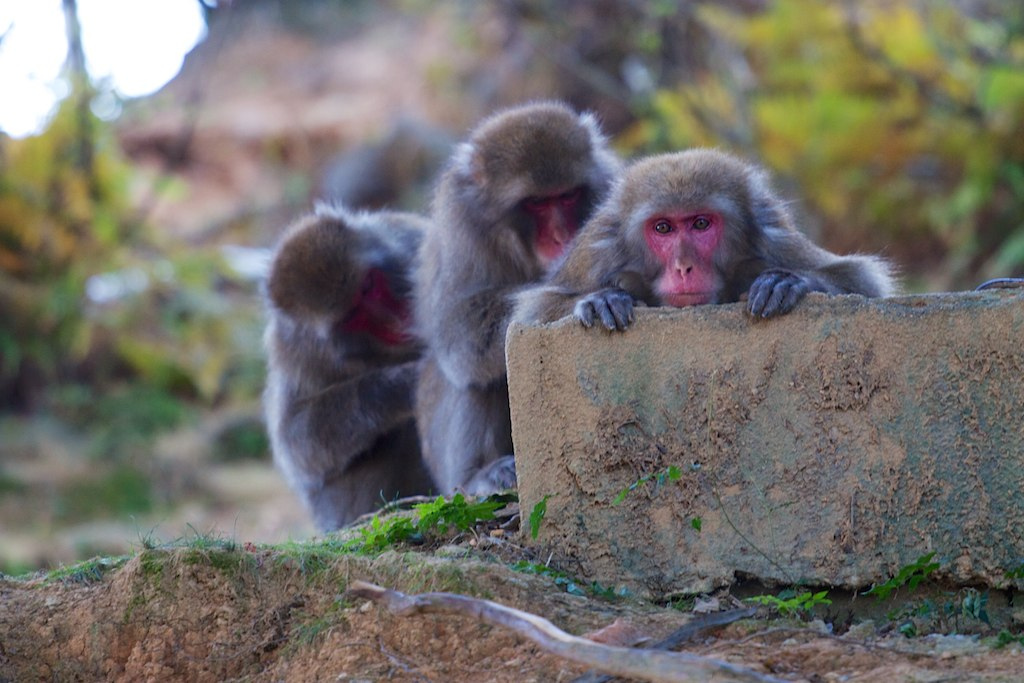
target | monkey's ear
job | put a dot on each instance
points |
(469, 163)
(315, 271)
(768, 213)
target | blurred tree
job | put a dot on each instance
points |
(86, 294)
(901, 123)
(63, 213)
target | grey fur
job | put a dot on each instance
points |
(339, 406)
(477, 255)
(761, 249)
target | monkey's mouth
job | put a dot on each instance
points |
(687, 299)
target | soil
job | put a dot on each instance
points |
(212, 611)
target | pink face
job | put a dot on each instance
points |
(556, 218)
(378, 312)
(684, 242)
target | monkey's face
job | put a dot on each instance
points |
(556, 220)
(684, 242)
(379, 312)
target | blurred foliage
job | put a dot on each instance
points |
(63, 208)
(901, 124)
(124, 490)
(242, 439)
(87, 296)
(123, 421)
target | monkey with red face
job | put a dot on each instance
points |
(342, 362)
(511, 200)
(689, 228)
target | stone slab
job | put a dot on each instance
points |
(831, 446)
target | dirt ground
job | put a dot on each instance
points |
(217, 611)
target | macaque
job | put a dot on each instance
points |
(509, 203)
(690, 228)
(341, 361)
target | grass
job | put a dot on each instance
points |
(89, 571)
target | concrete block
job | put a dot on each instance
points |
(831, 446)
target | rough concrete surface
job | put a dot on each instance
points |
(831, 446)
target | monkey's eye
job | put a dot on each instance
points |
(571, 197)
(701, 223)
(663, 227)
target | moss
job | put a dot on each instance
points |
(309, 632)
(152, 562)
(89, 571)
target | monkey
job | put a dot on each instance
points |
(510, 200)
(694, 227)
(342, 361)
(396, 171)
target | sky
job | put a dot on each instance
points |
(138, 45)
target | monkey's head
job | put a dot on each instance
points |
(539, 167)
(332, 272)
(695, 218)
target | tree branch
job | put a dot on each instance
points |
(648, 665)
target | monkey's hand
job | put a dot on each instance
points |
(612, 305)
(775, 292)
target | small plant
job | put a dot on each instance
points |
(378, 534)
(1004, 638)
(569, 584)
(908, 629)
(1016, 573)
(537, 516)
(790, 603)
(440, 514)
(670, 473)
(696, 523)
(975, 605)
(911, 575)
(432, 519)
(86, 572)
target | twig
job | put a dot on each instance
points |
(681, 635)
(397, 504)
(648, 665)
(397, 662)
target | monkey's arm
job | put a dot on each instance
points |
(544, 304)
(591, 283)
(328, 430)
(469, 342)
(799, 266)
(613, 306)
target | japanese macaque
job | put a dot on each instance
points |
(510, 201)
(342, 362)
(694, 227)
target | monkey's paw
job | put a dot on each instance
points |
(612, 305)
(775, 292)
(495, 476)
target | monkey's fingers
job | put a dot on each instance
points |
(614, 306)
(786, 296)
(776, 292)
(584, 312)
(760, 290)
(607, 315)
